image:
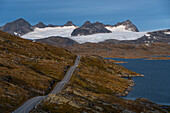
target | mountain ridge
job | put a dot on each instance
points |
(90, 28)
(20, 27)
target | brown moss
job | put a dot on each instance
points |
(29, 69)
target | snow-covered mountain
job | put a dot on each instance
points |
(90, 28)
(119, 32)
(124, 32)
(66, 31)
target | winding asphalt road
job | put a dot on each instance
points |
(32, 103)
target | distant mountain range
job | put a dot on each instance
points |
(20, 27)
(123, 32)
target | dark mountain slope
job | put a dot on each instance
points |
(160, 36)
(57, 41)
(18, 27)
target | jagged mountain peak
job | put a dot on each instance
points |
(20, 19)
(17, 27)
(40, 25)
(90, 28)
(128, 21)
(97, 22)
(69, 23)
(128, 26)
(51, 25)
(87, 22)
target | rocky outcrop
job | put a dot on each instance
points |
(57, 41)
(40, 25)
(90, 28)
(128, 25)
(18, 27)
(161, 36)
(69, 23)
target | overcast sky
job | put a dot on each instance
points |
(145, 14)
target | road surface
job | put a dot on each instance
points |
(32, 103)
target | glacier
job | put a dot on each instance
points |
(118, 33)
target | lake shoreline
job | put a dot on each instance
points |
(154, 86)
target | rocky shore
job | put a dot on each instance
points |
(127, 91)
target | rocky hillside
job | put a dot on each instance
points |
(95, 87)
(161, 36)
(17, 27)
(28, 69)
(90, 28)
(57, 41)
(153, 43)
(107, 49)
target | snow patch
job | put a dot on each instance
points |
(95, 38)
(118, 28)
(147, 35)
(154, 37)
(15, 33)
(167, 33)
(39, 33)
(147, 44)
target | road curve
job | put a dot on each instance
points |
(32, 103)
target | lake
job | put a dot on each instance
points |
(155, 85)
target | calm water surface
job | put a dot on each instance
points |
(155, 85)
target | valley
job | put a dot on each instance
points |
(34, 58)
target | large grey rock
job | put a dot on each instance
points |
(90, 28)
(18, 27)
